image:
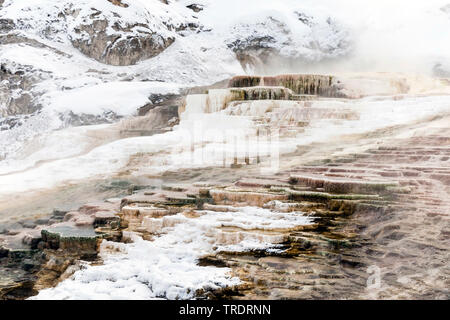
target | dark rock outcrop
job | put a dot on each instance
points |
(161, 100)
(157, 119)
(119, 3)
(16, 97)
(127, 45)
(195, 7)
(6, 25)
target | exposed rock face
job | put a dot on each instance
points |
(115, 32)
(119, 3)
(117, 43)
(158, 119)
(16, 97)
(168, 102)
(195, 7)
(6, 24)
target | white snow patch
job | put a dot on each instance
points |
(167, 266)
(121, 97)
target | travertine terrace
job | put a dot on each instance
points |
(337, 210)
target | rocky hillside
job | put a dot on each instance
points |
(89, 62)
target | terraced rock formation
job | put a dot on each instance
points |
(362, 212)
(360, 217)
